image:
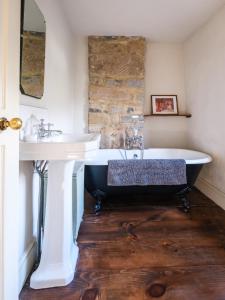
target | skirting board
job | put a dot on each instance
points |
(26, 263)
(211, 191)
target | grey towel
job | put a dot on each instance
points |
(146, 172)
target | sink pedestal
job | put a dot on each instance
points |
(59, 252)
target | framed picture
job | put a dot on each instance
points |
(164, 105)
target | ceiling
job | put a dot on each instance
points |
(158, 20)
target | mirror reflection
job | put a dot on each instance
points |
(33, 35)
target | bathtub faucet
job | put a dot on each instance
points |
(134, 142)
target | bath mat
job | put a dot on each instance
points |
(146, 172)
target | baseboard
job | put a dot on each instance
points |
(211, 191)
(26, 263)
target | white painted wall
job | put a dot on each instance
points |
(205, 87)
(81, 83)
(33, 18)
(164, 70)
(27, 242)
(59, 98)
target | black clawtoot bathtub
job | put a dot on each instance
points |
(96, 173)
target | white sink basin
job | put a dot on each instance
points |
(63, 147)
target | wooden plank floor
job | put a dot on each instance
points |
(143, 248)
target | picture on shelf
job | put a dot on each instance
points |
(164, 105)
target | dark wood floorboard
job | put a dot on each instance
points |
(141, 248)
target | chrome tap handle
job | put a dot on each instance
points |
(41, 128)
(49, 125)
(42, 122)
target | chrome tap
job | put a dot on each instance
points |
(41, 131)
(133, 140)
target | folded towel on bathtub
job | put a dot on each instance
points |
(146, 172)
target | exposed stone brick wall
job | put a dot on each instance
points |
(116, 86)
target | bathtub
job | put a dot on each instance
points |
(96, 173)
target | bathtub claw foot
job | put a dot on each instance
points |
(186, 204)
(99, 196)
(98, 207)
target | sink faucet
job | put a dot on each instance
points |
(42, 132)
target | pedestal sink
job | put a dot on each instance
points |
(59, 252)
(61, 147)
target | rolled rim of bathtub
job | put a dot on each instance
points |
(102, 156)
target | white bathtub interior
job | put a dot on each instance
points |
(190, 156)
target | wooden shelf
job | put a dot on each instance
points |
(180, 115)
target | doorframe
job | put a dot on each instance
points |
(2, 155)
(9, 149)
(3, 57)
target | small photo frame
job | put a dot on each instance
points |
(164, 105)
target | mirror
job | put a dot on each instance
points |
(32, 61)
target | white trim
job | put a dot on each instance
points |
(211, 191)
(2, 171)
(3, 64)
(26, 263)
(4, 52)
(9, 100)
(102, 156)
